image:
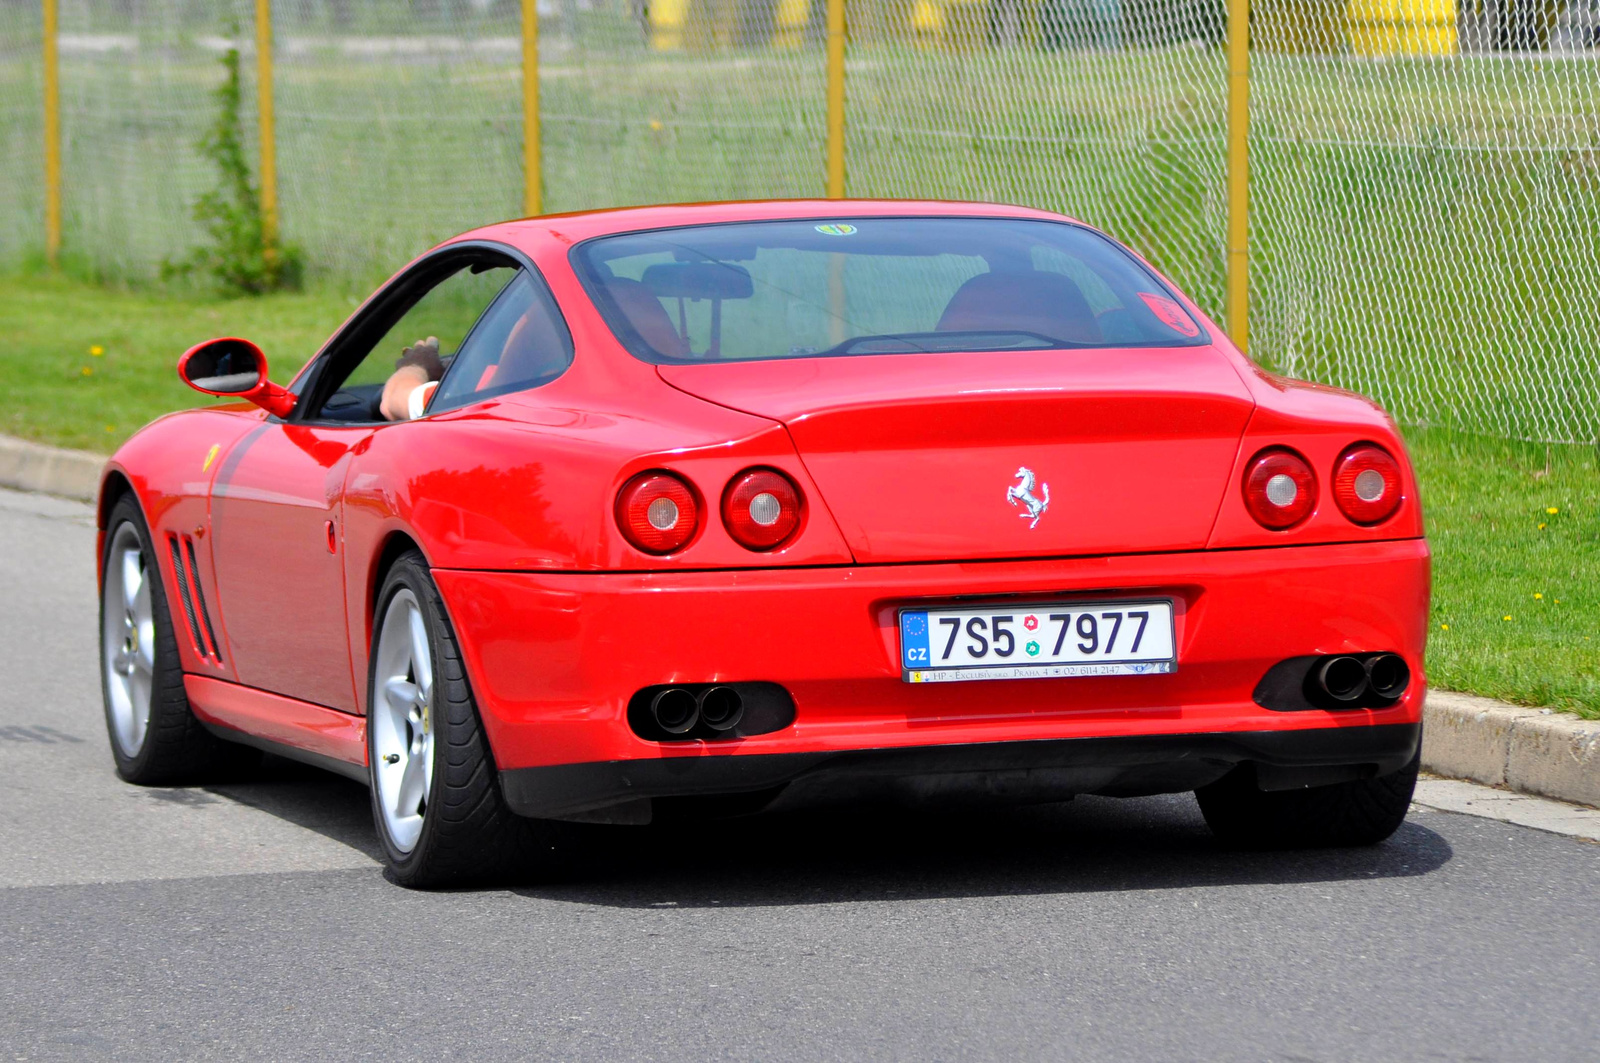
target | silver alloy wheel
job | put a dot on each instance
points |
(128, 639)
(402, 719)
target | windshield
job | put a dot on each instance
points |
(797, 289)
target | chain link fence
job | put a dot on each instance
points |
(1425, 174)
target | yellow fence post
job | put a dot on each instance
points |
(835, 99)
(52, 138)
(1239, 173)
(269, 146)
(532, 149)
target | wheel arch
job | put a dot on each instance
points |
(394, 545)
(112, 488)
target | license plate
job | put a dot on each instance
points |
(1037, 641)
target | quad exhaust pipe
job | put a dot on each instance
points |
(677, 710)
(721, 708)
(1345, 679)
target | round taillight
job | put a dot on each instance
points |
(761, 509)
(1366, 484)
(1280, 490)
(657, 512)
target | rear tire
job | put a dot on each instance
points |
(436, 798)
(155, 738)
(1362, 812)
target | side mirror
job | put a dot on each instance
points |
(234, 369)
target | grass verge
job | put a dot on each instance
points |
(1515, 527)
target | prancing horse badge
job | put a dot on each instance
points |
(1021, 493)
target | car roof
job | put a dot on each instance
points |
(584, 225)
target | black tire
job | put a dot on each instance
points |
(1362, 812)
(468, 833)
(176, 749)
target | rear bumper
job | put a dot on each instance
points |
(1020, 770)
(555, 657)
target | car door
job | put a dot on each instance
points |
(277, 500)
(275, 514)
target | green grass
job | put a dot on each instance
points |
(1515, 532)
(56, 390)
(1498, 552)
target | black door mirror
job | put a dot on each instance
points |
(234, 368)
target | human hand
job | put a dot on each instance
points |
(423, 354)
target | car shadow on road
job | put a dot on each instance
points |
(333, 806)
(827, 856)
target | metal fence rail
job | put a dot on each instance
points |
(1421, 202)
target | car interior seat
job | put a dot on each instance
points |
(1050, 304)
(647, 316)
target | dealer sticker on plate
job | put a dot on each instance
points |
(1037, 641)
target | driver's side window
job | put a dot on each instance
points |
(433, 330)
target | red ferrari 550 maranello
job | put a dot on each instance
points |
(773, 502)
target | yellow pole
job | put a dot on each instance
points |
(52, 138)
(269, 149)
(1239, 172)
(532, 156)
(835, 99)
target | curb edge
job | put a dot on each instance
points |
(27, 466)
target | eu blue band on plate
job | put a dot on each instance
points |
(914, 639)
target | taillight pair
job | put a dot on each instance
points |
(1280, 490)
(659, 512)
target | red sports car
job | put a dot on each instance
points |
(755, 504)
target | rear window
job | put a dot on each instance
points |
(799, 289)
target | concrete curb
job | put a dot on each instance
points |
(27, 466)
(1531, 750)
(1464, 737)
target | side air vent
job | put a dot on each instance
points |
(200, 600)
(187, 567)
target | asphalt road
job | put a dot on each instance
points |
(251, 920)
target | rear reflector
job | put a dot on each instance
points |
(657, 513)
(1280, 489)
(761, 509)
(1366, 484)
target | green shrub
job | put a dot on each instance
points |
(240, 256)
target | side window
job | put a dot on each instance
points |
(446, 314)
(520, 342)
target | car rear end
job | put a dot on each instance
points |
(1030, 528)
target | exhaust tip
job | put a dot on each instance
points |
(1389, 675)
(676, 711)
(721, 708)
(1342, 678)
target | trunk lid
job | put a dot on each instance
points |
(936, 457)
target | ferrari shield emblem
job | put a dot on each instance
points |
(1021, 494)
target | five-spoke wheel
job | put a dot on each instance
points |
(436, 798)
(128, 639)
(402, 719)
(155, 739)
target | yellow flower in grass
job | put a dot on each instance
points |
(1444, 627)
(1541, 527)
(97, 350)
(1538, 597)
(1506, 617)
(86, 371)
(1552, 510)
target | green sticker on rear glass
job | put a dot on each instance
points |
(836, 229)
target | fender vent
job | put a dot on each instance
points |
(187, 567)
(200, 600)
